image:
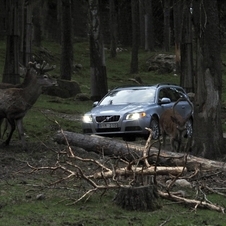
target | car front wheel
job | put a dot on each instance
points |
(154, 126)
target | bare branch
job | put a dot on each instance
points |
(193, 202)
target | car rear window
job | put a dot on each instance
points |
(116, 97)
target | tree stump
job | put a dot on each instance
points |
(138, 198)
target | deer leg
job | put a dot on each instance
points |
(6, 124)
(2, 132)
(13, 127)
(179, 145)
(164, 139)
(174, 143)
(20, 128)
(1, 120)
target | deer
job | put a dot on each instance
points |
(10, 85)
(40, 68)
(16, 101)
(173, 124)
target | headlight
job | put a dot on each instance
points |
(87, 119)
(135, 116)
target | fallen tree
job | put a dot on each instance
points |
(128, 151)
(135, 180)
(128, 170)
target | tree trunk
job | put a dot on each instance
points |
(125, 25)
(142, 22)
(149, 27)
(99, 86)
(50, 25)
(167, 25)
(66, 41)
(112, 147)
(138, 198)
(26, 37)
(186, 78)
(208, 135)
(113, 28)
(11, 68)
(36, 20)
(135, 36)
(177, 15)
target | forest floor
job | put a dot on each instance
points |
(16, 169)
(26, 191)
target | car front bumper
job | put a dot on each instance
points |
(120, 127)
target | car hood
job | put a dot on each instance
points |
(118, 109)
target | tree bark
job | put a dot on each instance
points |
(125, 25)
(37, 26)
(99, 86)
(11, 68)
(113, 28)
(66, 41)
(186, 78)
(112, 147)
(160, 170)
(192, 202)
(142, 22)
(177, 16)
(135, 36)
(138, 198)
(167, 25)
(149, 27)
(26, 33)
(208, 135)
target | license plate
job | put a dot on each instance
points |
(107, 125)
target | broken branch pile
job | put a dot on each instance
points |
(130, 168)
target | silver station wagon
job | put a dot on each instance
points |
(127, 111)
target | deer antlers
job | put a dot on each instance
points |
(41, 68)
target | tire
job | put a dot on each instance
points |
(154, 126)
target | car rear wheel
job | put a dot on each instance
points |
(154, 126)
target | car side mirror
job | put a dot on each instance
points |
(95, 104)
(165, 100)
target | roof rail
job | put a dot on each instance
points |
(134, 85)
(141, 85)
(165, 83)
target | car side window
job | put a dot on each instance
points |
(172, 93)
(163, 93)
(175, 94)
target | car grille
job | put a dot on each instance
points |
(108, 130)
(107, 118)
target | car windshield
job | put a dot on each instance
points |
(133, 95)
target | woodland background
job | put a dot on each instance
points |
(102, 44)
(194, 29)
